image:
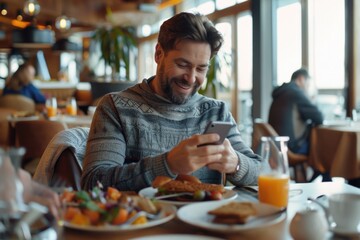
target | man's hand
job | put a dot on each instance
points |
(36, 192)
(228, 161)
(188, 156)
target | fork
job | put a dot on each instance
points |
(141, 213)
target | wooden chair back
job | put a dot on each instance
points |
(17, 102)
(6, 132)
(296, 161)
(35, 135)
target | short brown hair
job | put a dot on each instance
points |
(189, 26)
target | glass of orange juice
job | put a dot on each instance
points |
(274, 177)
(71, 107)
(51, 107)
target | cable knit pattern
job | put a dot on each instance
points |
(133, 130)
(74, 139)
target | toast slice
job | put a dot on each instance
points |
(233, 213)
(176, 186)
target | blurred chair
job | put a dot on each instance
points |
(7, 133)
(17, 102)
(297, 161)
(35, 135)
(62, 159)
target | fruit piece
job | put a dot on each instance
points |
(113, 193)
(199, 195)
(121, 217)
(80, 219)
(215, 195)
(93, 216)
(67, 196)
(140, 220)
(70, 212)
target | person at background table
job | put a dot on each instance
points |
(21, 82)
(292, 112)
(154, 128)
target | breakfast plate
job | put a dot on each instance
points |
(177, 237)
(167, 213)
(197, 215)
(150, 192)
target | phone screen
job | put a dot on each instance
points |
(221, 128)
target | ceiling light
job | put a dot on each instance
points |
(63, 23)
(3, 9)
(19, 15)
(31, 7)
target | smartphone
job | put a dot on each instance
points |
(221, 128)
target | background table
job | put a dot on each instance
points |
(335, 149)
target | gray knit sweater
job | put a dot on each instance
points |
(133, 130)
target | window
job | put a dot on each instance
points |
(288, 39)
(244, 68)
(327, 54)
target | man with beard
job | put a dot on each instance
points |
(155, 128)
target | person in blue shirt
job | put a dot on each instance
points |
(21, 83)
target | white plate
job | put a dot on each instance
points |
(168, 212)
(345, 232)
(197, 215)
(177, 237)
(150, 192)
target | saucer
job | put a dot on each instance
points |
(345, 232)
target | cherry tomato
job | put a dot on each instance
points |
(215, 195)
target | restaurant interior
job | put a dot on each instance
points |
(71, 45)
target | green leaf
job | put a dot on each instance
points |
(83, 195)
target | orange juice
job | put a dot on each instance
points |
(274, 190)
(70, 109)
(51, 111)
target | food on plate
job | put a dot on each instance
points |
(188, 184)
(98, 207)
(233, 213)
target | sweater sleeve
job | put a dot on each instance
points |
(105, 155)
(249, 161)
(308, 110)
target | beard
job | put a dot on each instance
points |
(167, 87)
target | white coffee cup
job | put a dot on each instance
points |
(344, 208)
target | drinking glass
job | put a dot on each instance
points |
(274, 177)
(71, 106)
(51, 107)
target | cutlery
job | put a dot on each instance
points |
(141, 213)
(269, 214)
(173, 195)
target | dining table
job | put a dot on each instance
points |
(335, 149)
(178, 229)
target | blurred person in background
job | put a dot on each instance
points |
(292, 112)
(21, 82)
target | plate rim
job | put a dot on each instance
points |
(179, 203)
(344, 232)
(114, 228)
(224, 228)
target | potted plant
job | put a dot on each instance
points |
(116, 44)
(213, 83)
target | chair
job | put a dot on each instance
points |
(35, 135)
(6, 133)
(296, 161)
(17, 102)
(62, 159)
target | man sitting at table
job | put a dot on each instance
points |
(292, 113)
(154, 128)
